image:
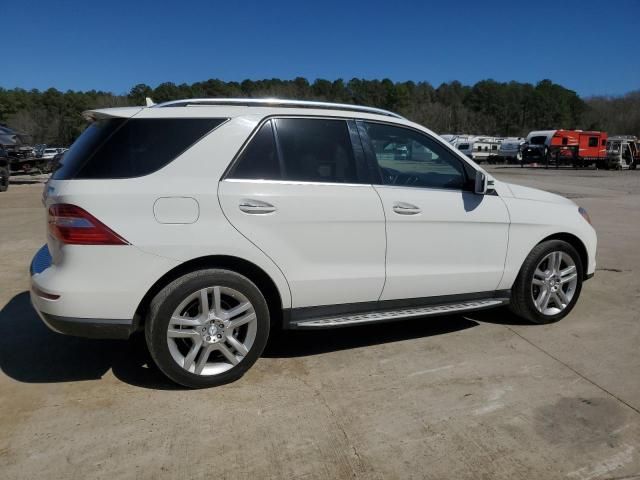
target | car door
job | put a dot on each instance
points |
(442, 239)
(300, 192)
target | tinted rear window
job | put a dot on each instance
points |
(259, 161)
(316, 150)
(309, 150)
(125, 148)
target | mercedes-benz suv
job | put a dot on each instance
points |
(208, 223)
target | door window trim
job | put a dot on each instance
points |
(374, 165)
(360, 161)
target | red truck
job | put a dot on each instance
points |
(570, 147)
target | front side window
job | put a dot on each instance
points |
(409, 158)
(308, 150)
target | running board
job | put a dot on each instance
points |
(390, 315)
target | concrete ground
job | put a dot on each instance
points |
(453, 397)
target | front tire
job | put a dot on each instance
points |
(207, 328)
(549, 283)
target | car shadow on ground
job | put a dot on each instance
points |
(31, 353)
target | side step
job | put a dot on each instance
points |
(390, 315)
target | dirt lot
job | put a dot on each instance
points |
(453, 397)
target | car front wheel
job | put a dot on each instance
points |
(549, 283)
(207, 328)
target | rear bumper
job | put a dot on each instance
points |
(92, 291)
(88, 327)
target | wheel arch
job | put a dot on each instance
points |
(236, 264)
(576, 243)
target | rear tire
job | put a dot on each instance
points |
(4, 179)
(539, 280)
(193, 334)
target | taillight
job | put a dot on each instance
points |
(74, 226)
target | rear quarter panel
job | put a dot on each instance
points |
(127, 207)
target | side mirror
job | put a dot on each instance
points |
(481, 183)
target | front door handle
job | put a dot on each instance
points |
(403, 208)
(256, 207)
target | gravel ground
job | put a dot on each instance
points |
(475, 396)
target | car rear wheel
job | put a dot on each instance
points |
(549, 283)
(207, 328)
(4, 179)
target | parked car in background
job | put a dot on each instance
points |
(510, 150)
(5, 170)
(623, 152)
(50, 152)
(208, 223)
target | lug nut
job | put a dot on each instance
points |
(208, 338)
(219, 336)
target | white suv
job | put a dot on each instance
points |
(206, 223)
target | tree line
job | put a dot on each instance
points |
(488, 107)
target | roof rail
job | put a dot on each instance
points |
(276, 102)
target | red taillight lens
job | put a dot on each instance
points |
(74, 226)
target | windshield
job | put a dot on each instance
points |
(538, 140)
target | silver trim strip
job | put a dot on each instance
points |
(276, 102)
(398, 314)
(294, 182)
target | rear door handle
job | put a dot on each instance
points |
(403, 208)
(256, 207)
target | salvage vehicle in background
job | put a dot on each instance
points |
(510, 150)
(578, 148)
(623, 152)
(5, 171)
(29, 160)
(207, 223)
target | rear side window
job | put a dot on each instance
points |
(316, 150)
(308, 150)
(126, 148)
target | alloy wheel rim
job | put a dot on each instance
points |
(212, 330)
(554, 283)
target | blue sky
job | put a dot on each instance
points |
(590, 47)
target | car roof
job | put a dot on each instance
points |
(233, 107)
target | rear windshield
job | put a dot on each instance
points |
(126, 148)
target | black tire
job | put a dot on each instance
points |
(4, 179)
(168, 299)
(522, 304)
